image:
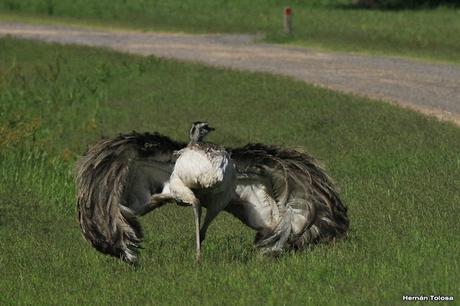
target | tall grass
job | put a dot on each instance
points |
(430, 33)
(399, 174)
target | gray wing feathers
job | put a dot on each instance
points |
(117, 176)
(300, 186)
(106, 218)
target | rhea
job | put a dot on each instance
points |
(203, 175)
(283, 194)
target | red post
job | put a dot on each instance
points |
(288, 20)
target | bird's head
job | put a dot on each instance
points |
(199, 130)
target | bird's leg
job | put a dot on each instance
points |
(156, 201)
(218, 203)
(210, 215)
(184, 194)
(197, 213)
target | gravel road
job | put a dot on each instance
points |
(430, 88)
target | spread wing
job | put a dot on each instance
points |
(282, 193)
(115, 180)
(303, 203)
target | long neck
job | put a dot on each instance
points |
(196, 136)
(196, 140)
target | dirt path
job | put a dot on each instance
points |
(431, 88)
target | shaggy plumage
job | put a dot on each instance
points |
(283, 194)
(287, 197)
(115, 180)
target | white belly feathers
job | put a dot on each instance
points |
(199, 169)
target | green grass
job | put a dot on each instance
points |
(398, 171)
(428, 34)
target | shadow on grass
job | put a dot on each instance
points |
(395, 5)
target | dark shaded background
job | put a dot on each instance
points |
(404, 4)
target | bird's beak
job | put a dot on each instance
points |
(210, 129)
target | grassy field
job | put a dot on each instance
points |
(430, 34)
(399, 173)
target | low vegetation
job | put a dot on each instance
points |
(398, 171)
